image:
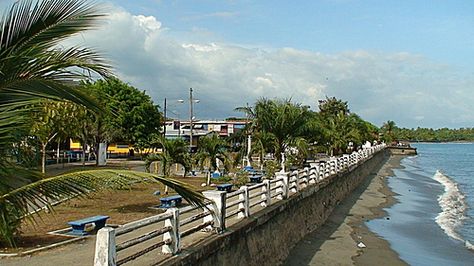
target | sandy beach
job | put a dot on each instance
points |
(336, 243)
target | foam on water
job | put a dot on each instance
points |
(453, 206)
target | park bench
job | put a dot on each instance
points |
(224, 187)
(79, 226)
(249, 169)
(256, 179)
(171, 201)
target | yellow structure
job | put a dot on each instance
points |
(113, 148)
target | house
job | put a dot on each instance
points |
(225, 128)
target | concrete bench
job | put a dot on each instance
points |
(171, 201)
(79, 226)
(256, 179)
(224, 187)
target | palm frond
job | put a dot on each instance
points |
(44, 192)
(43, 24)
(32, 66)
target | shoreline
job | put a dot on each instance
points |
(378, 250)
(335, 243)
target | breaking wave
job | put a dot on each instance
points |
(453, 206)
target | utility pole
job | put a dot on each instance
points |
(190, 119)
(164, 127)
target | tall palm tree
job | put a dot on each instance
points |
(338, 131)
(389, 127)
(212, 149)
(173, 151)
(284, 120)
(33, 67)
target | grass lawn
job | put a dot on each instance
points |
(122, 206)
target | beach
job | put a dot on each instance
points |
(336, 242)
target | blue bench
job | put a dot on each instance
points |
(171, 201)
(224, 187)
(256, 179)
(249, 169)
(79, 226)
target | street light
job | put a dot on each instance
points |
(191, 117)
(164, 113)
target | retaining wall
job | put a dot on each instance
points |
(267, 237)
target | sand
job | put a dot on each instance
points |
(335, 243)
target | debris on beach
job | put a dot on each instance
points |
(361, 245)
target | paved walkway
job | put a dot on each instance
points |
(82, 252)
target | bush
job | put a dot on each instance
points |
(241, 178)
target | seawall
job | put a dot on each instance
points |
(267, 236)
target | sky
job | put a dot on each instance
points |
(409, 61)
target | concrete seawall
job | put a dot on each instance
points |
(267, 236)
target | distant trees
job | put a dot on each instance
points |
(434, 135)
(280, 126)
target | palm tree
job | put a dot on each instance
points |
(173, 151)
(284, 120)
(388, 128)
(212, 149)
(33, 68)
(338, 131)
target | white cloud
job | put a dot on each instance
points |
(403, 87)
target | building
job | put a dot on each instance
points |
(225, 128)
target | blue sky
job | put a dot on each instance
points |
(407, 61)
(441, 30)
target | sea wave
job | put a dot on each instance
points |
(469, 245)
(453, 206)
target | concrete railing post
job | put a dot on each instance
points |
(172, 237)
(283, 185)
(333, 163)
(218, 207)
(294, 178)
(312, 175)
(306, 176)
(244, 206)
(267, 193)
(322, 171)
(105, 254)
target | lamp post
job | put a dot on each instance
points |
(191, 117)
(164, 127)
(165, 115)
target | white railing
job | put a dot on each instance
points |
(169, 228)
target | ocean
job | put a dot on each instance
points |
(433, 221)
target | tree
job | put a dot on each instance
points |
(285, 120)
(331, 107)
(33, 68)
(211, 149)
(173, 151)
(54, 120)
(134, 117)
(388, 129)
(340, 126)
(339, 131)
